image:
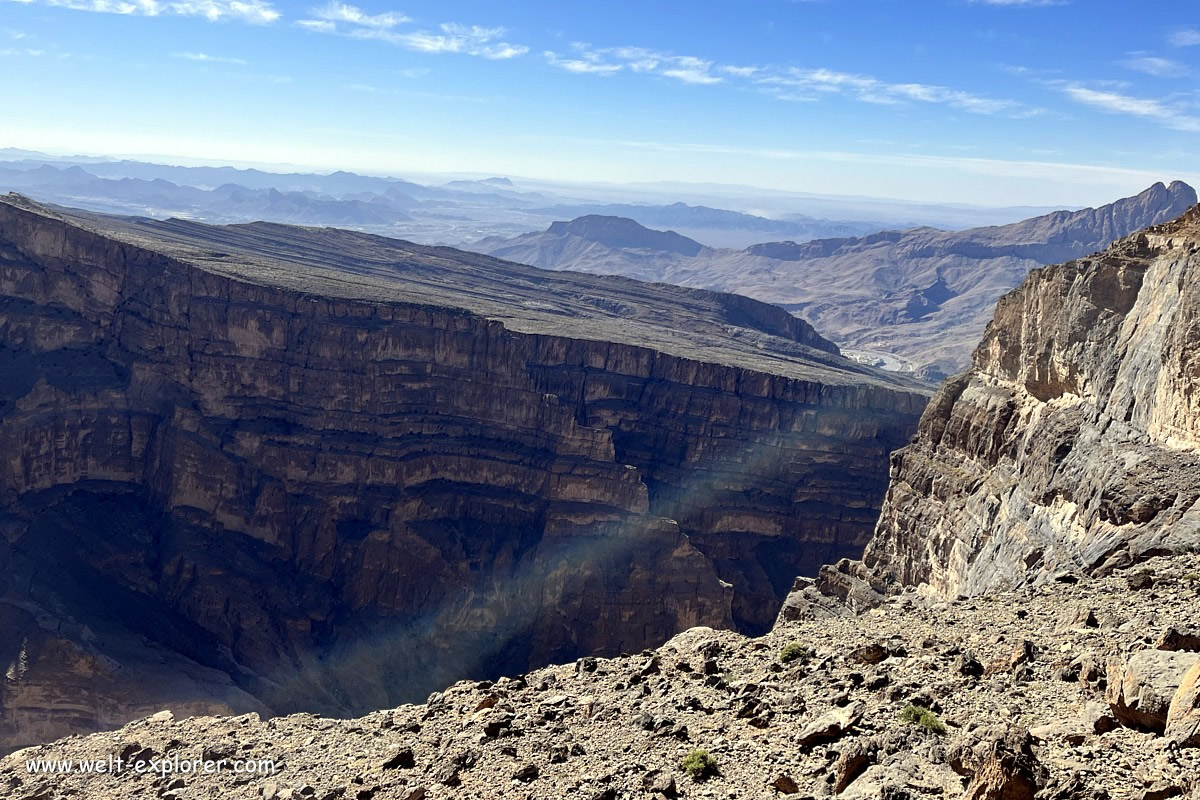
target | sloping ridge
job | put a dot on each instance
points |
(919, 298)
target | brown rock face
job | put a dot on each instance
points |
(1074, 440)
(1183, 715)
(338, 478)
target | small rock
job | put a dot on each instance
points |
(873, 653)
(401, 759)
(526, 773)
(831, 726)
(785, 785)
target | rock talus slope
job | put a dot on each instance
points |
(1001, 697)
(1073, 443)
(262, 468)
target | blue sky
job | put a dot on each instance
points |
(986, 101)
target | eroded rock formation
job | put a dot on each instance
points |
(1073, 443)
(269, 469)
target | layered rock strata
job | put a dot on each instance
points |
(269, 469)
(1073, 443)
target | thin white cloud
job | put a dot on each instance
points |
(1184, 37)
(343, 12)
(450, 37)
(16, 51)
(611, 60)
(1145, 108)
(205, 57)
(318, 25)
(795, 83)
(254, 11)
(586, 63)
(739, 72)
(1155, 65)
(784, 83)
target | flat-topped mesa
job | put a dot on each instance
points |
(1072, 445)
(270, 468)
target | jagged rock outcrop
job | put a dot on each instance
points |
(1073, 444)
(262, 468)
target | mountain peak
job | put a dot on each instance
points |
(624, 233)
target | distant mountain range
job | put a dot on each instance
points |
(916, 299)
(459, 210)
(704, 222)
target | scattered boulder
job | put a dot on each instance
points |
(1140, 690)
(1000, 764)
(852, 762)
(830, 726)
(1183, 715)
(403, 758)
(1179, 639)
(872, 653)
(784, 784)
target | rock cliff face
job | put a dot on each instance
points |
(269, 469)
(1073, 443)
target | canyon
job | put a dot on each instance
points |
(1021, 625)
(260, 468)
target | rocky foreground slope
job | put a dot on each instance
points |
(1064, 691)
(1073, 443)
(262, 468)
(916, 299)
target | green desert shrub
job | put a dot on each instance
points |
(795, 651)
(699, 765)
(924, 718)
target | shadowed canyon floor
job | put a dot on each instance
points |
(264, 468)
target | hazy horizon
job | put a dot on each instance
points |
(986, 102)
